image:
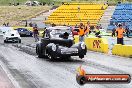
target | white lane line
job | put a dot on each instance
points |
(9, 75)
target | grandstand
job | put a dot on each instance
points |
(74, 13)
(122, 14)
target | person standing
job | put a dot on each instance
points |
(97, 31)
(127, 31)
(30, 24)
(35, 34)
(44, 32)
(81, 32)
(26, 24)
(120, 30)
(7, 25)
(113, 32)
(87, 29)
(4, 24)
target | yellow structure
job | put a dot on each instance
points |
(74, 13)
(95, 44)
(122, 50)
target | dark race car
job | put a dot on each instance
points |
(58, 42)
(24, 32)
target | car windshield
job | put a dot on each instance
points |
(12, 32)
(59, 31)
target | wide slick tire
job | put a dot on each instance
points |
(39, 52)
(51, 57)
(19, 41)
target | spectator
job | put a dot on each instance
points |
(64, 25)
(78, 8)
(9, 4)
(124, 25)
(87, 28)
(120, 30)
(76, 25)
(97, 31)
(53, 25)
(45, 33)
(100, 27)
(113, 32)
(30, 24)
(18, 3)
(26, 24)
(127, 31)
(44, 3)
(62, 3)
(7, 25)
(81, 32)
(4, 24)
(35, 34)
(102, 8)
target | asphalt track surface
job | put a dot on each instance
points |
(29, 71)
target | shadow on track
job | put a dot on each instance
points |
(71, 60)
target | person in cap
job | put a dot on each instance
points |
(120, 31)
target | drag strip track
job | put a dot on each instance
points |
(19, 77)
(30, 49)
(71, 65)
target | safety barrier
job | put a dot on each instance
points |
(95, 44)
(122, 50)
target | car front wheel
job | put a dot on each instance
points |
(51, 57)
(19, 41)
(39, 52)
